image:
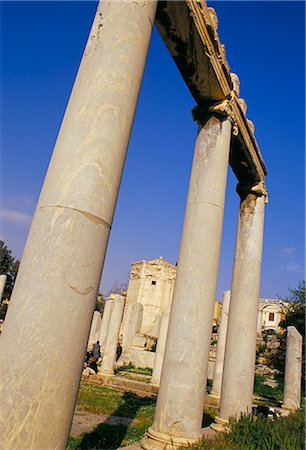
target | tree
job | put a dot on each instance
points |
(294, 310)
(8, 266)
(119, 287)
(100, 303)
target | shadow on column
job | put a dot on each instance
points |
(110, 434)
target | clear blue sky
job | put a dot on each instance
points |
(42, 44)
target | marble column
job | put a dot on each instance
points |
(217, 378)
(179, 409)
(240, 348)
(132, 325)
(160, 348)
(109, 356)
(95, 326)
(293, 371)
(2, 285)
(105, 322)
(55, 292)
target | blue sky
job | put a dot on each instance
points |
(41, 48)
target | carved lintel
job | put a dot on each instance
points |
(226, 109)
(236, 83)
(243, 105)
(258, 189)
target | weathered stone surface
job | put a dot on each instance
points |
(49, 317)
(239, 360)
(2, 285)
(183, 380)
(142, 358)
(109, 356)
(132, 325)
(95, 327)
(160, 348)
(293, 370)
(105, 322)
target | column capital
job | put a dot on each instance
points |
(258, 189)
(223, 110)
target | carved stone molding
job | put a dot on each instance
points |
(258, 189)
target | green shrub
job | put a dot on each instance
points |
(131, 368)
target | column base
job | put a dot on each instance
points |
(219, 424)
(286, 410)
(155, 440)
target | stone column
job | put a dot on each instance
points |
(131, 326)
(160, 348)
(51, 308)
(109, 356)
(2, 285)
(179, 409)
(217, 379)
(259, 322)
(293, 371)
(105, 322)
(240, 348)
(95, 326)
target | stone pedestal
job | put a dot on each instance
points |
(179, 409)
(105, 323)
(49, 317)
(95, 327)
(240, 348)
(293, 371)
(132, 325)
(160, 348)
(2, 285)
(217, 379)
(109, 356)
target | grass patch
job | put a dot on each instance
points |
(140, 370)
(258, 433)
(267, 391)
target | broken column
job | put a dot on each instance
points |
(109, 356)
(2, 285)
(95, 327)
(293, 371)
(239, 359)
(49, 317)
(218, 371)
(132, 325)
(105, 322)
(179, 409)
(160, 348)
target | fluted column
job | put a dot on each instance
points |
(217, 378)
(160, 348)
(50, 312)
(2, 285)
(109, 356)
(105, 322)
(240, 349)
(179, 409)
(293, 371)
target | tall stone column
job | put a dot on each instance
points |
(131, 326)
(109, 356)
(293, 371)
(50, 312)
(160, 348)
(105, 322)
(259, 322)
(179, 409)
(239, 359)
(2, 285)
(217, 379)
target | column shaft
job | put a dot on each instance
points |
(51, 308)
(105, 323)
(179, 410)
(217, 379)
(293, 370)
(132, 325)
(240, 349)
(160, 348)
(95, 327)
(109, 357)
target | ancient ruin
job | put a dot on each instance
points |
(73, 219)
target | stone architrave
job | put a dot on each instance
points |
(239, 359)
(49, 317)
(217, 378)
(109, 356)
(95, 327)
(105, 322)
(2, 285)
(160, 348)
(179, 409)
(132, 325)
(293, 371)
